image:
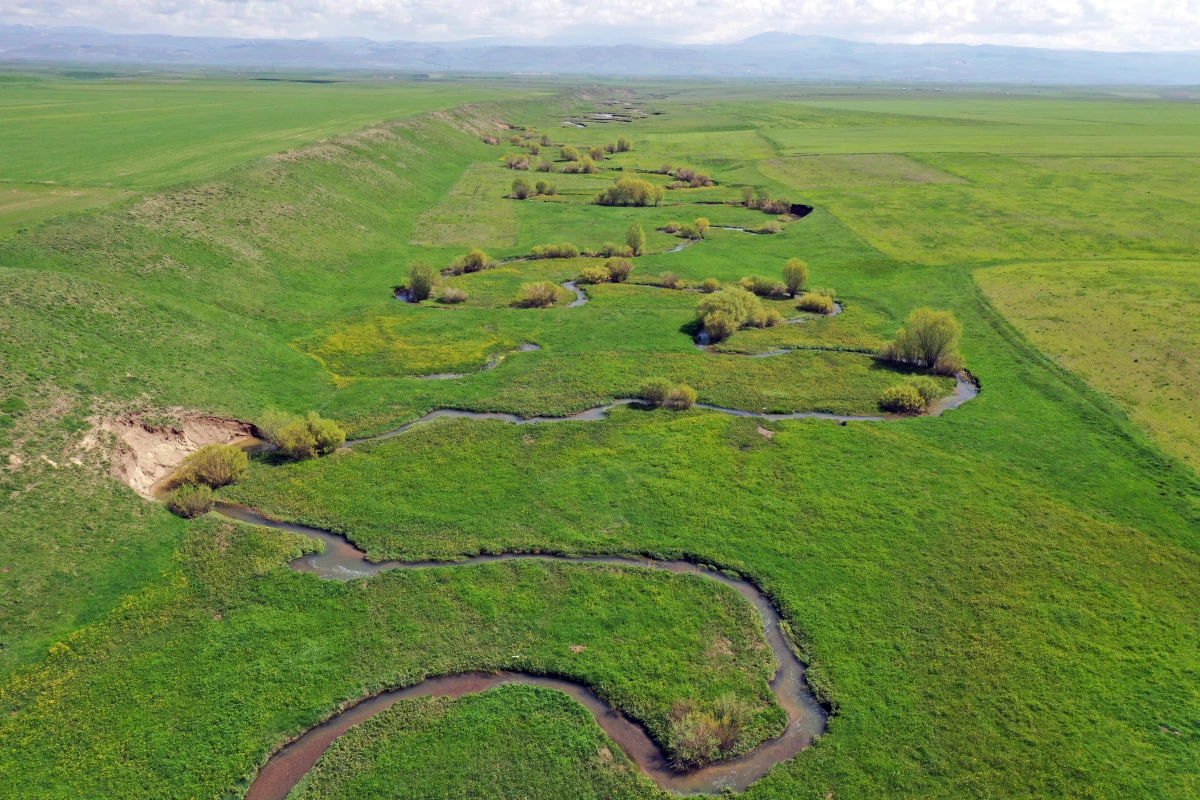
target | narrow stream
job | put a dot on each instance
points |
(343, 561)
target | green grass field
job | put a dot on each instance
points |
(997, 602)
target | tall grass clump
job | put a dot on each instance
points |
(928, 339)
(214, 465)
(795, 275)
(630, 192)
(421, 280)
(190, 501)
(540, 294)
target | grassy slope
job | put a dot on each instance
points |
(1001, 599)
(479, 746)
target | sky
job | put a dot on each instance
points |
(1115, 25)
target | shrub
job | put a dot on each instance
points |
(630, 192)
(594, 275)
(928, 337)
(710, 285)
(516, 161)
(541, 294)
(569, 153)
(588, 167)
(720, 325)
(545, 140)
(516, 140)
(672, 227)
(926, 387)
(624, 145)
(534, 149)
(610, 148)
(655, 391)
(669, 280)
(310, 436)
(816, 303)
(545, 166)
(560, 250)
(541, 186)
(214, 465)
(692, 736)
(767, 318)
(732, 715)
(689, 232)
(521, 189)
(702, 225)
(665, 169)
(452, 295)
(328, 435)
(473, 261)
(597, 153)
(271, 423)
(748, 196)
(738, 303)
(795, 275)
(618, 269)
(681, 397)
(489, 139)
(421, 280)
(190, 501)
(551, 190)
(949, 364)
(635, 237)
(901, 399)
(610, 249)
(764, 287)
(771, 226)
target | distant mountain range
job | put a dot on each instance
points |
(768, 55)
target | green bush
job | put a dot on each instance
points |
(624, 145)
(763, 287)
(611, 147)
(328, 434)
(926, 387)
(692, 736)
(816, 303)
(901, 399)
(627, 191)
(584, 166)
(421, 280)
(473, 261)
(767, 318)
(689, 232)
(618, 269)
(949, 364)
(516, 161)
(516, 140)
(545, 140)
(702, 225)
(534, 149)
(771, 226)
(693, 178)
(545, 165)
(720, 325)
(732, 715)
(190, 501)
(541, 187)
(452, 295)
(594, 275)
(927, 338)
(570, 153)
(655, 391)
(597, 153)
(795, 275)
(748, 196)
(214, 465)
(560, 250)
(681, 397)
(738, 303)
(540, 294)
(302, 438)
(611, 249)
(635, 237)
(521, 189)
(710, 285)
(670, 280)
(672, 227)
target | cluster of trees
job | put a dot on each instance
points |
(522, 189)
(614, 270)
(540, 294)
(752, 198)
(630, 192)
(912, 397)
(662, 394)
(928, 339)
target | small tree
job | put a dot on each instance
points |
(545, 140)
(928, 338)
(421, 280)
(570, 153)
(521, 188)
(635, 237)
(795, 275)
(748, 196)
(624, 145)
(610, 148)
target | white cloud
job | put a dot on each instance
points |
(1090, 24)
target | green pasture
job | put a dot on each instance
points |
(997, 602)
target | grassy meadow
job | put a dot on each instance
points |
(997, 602)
